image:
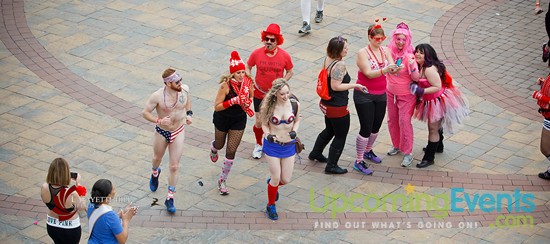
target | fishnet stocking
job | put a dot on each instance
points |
(233, 140)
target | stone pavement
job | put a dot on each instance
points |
(75, 75)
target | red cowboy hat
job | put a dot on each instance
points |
(274, 29)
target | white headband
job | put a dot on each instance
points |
(172, 78)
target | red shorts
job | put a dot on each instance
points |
(333, 112)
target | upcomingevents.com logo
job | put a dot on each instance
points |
(457, 200)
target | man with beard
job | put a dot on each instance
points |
(173, 107)
(271, 62)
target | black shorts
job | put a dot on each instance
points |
(60, 235)
(257, 103)
(225, 122)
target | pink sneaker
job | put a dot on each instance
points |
(213, 155)
(222, 188)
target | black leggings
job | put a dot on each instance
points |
(337, 128)
(60, 235)
(371, 115)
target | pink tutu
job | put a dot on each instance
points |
(450, 106)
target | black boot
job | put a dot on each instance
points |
(317, 151)
(429, 155)
(440, 146)
(332, 164)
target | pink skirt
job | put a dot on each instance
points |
(450, 107)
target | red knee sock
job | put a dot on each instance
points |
(271, 194)
(258, 132)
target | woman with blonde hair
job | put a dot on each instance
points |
(279, 123)
(231, 106)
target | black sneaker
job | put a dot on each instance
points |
(305, 28)
(319, 17)
(545, 175)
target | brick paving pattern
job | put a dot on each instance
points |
(85, 85)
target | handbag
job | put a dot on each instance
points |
(294, 102)
(299, 145)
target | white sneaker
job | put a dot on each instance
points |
(407, 160)
(393, 151)
(257, 153)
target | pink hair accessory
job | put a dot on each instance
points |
(172, 78)
(402, 25)
(405, 32)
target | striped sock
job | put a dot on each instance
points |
(360, 145)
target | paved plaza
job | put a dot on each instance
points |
(75, 76)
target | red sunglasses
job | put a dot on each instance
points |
(379, 39)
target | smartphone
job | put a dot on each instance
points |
(364, 90)
(398, 62)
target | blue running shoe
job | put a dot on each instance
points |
(170, 205)
(154, 182)
(271, 212)
(372, 157)
(277, 198)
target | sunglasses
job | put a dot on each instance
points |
(179, 81)
(267, 39)
(379, 39)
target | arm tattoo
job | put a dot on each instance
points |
(339, 72)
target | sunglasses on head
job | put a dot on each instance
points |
(267, 39)
(379, 39)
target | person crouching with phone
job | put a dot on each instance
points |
(400, 102)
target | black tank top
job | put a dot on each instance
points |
(234, 110)
(53, 193)
(339, 98)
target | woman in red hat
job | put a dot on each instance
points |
(230, 109)
(271, 62)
